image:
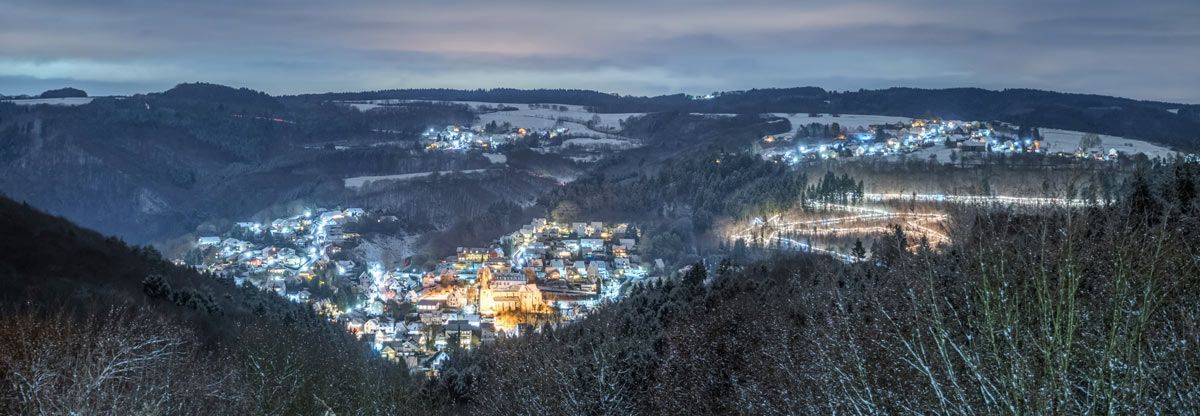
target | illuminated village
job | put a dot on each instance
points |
(546, 273)
(943, 140)
(492, 137)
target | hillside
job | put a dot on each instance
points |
(1170, 124)
(1029, 311)
(147, 167)
(67, 92)
(94, 326)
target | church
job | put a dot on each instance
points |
(501, 292)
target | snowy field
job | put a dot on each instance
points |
(70, 101)
(1067, 141)
(589, 142)
(574, 118)
(496, 158)
(360, 181)
(363, 106)
(848, 121)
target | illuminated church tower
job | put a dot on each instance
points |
(487, 302)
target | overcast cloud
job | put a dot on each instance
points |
(1146, 49)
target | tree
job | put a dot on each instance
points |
(566, 211)
(739, 250)
(695, 276)
(1089, 140)
(156, 287)
(859, 251)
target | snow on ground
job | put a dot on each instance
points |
(544, 119)
(575, 116)
(1067, 141)
(69, 101)
(386, 249)
(848, 121)
(588, 142)
(940, 152)
(364, 106)
(496, 157)
(360, 181)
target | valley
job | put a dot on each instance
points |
(459, 245)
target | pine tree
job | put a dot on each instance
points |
(156, 287)
(859, 251)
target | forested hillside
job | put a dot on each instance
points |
(1146, 120)
(1029, 311)
(151, 167)
(90, 325)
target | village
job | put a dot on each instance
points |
(546, 273)
(939, 140)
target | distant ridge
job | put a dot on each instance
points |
(1172, 124)
(216, 93)
(67, 92)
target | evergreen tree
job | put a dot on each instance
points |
(859, 251)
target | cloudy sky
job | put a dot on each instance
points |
(1140, 49)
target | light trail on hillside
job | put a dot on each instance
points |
(977, 199)
(851, 221)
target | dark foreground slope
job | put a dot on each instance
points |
(1030, 311)
(89, 325)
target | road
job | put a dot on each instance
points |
(852, 220)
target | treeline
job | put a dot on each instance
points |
(1147, 120)
(1029, 311)
(495, 95)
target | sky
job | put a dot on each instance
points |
(1139, 49)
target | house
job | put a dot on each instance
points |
(408, 348)
(335, 234)
(972, 146)
(208, 241)
(371, 326)
(345, 266)
(434, 363)
(456, 300)
(487, 333)
(459, 332)
(469, 254)
(591, 244)
(429, 305)
(389, 352)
